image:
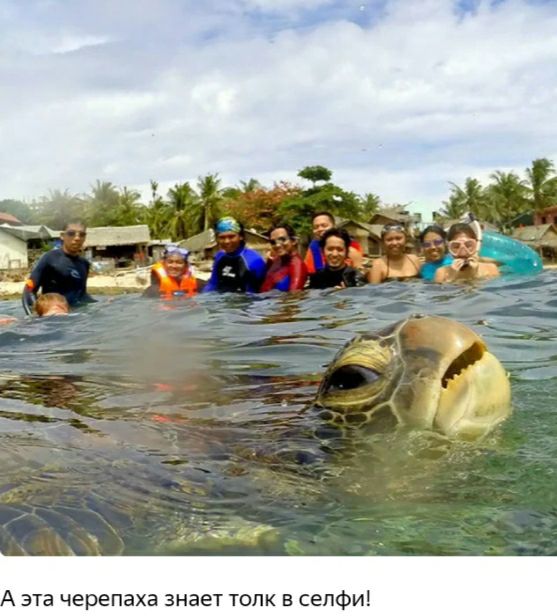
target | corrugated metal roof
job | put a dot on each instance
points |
(31, 232)
(374, 230)
(535, 233)
(206, 239)
(118, 236)
(9, 218)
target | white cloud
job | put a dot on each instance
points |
(423, 96)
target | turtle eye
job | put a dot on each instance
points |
(350, 377)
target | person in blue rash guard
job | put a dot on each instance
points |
(61, 270)
(236, 268)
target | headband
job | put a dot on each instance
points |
(228, 225)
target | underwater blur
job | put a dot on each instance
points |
(143, 427)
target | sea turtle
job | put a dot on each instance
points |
(108, 494)
(425, 371)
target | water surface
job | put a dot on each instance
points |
(139, 427)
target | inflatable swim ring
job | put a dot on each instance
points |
(512, 256)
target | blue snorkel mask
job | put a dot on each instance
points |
(173, 249)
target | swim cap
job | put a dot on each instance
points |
(228, 225)
(173, 249)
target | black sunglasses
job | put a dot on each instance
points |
(72, 233)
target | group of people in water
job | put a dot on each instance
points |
(333, 260)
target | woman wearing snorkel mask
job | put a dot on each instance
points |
(464, 246)
(172, 277)
(433, 240)
(237, 268)
(395, 264)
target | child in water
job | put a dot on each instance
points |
(51, 304)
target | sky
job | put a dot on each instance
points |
(397, 97)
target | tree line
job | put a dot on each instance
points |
(189, 208)
(506, 197)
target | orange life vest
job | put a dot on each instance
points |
(170, 287)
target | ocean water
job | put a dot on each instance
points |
(140, 427)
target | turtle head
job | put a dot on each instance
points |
(426, 371)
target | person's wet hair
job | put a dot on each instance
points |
(461, 227)
(48, 300)
(334, 232)
(433, 229)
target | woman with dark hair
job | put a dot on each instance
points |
(335, 245)
(395, 264)
(285, 269)
(463, 245)
(433, 240)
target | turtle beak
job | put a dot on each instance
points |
(475, 394)
(466, 391)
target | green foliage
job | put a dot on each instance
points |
(369, 204)
(210, 199)
(21, 210)
(299, 209)
(56, 208)
(542, 183)
(314, 174)
(470, 198)
(507, 196)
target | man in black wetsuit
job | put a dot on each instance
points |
(61, 270)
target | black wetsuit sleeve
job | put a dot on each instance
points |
(33, 284)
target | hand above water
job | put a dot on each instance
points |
(470, 263)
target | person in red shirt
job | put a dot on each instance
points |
(285, 269)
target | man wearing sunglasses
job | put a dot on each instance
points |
(61, 270)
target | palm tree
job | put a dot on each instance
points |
(129, 210)
(542, 183)
(183, 205)
(210, 198)
(250, 186)
(58, 207)
(102, 203)
(507, 194)
(368, 205)
(471, 198)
